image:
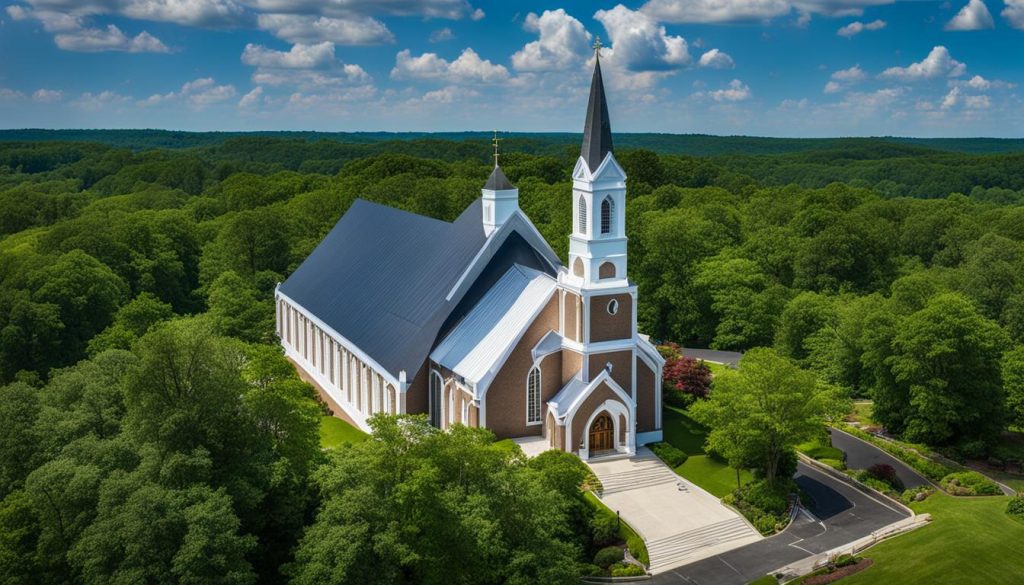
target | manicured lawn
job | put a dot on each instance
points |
(766, 580)
(970, 541)
(686, 435)
(816, 449)
(334, 432)
(716, 368)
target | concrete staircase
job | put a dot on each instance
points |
(644, 475)
(673, 550)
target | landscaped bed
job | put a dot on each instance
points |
(621, 537)
(685, 434)
(842, 567)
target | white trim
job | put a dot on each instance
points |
(615, 410)
(345, 405)
(339, 338)
(498, 237)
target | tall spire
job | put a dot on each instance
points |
(597, 130)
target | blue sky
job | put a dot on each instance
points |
(756, 67)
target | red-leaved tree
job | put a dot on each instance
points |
(684, 379)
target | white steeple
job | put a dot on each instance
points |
(500, 197)
(597, 246)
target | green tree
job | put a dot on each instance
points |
(239, 310)
(419, 506)
(945, 359)
(1013, 384)
(802, 318)
(746, 302)
(760, 412)
(19, 439)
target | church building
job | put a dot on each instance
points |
(477, 322)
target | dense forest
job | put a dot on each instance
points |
(151, 432)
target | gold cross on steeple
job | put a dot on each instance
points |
(597, 46)
(495, 142)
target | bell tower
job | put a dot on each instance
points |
(597, 246)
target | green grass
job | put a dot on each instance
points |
(687, 435)
(970, 540)
(861, 413)
(766, 580)
(334, 432)
(817, 449)
(716, 368)
(636, 545)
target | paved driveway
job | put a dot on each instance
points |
(862, 455)
(730, 358)
(840, 514)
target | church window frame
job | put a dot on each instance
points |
(533, 402)
(607, 215)
(583, 215)
(434, 402)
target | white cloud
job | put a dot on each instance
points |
(94, 40)
(871, 101)
(469, 67)
(310, 29)
(855, 28)
(737, 91)
(977, 102)
(710, 11)
(208, 13)
(441, 35)
(10, 95)
(951, 99)
(348, 74)
(47, 96)
(844, 78)
(716, 59)
(717, 11)
(300, 56)
(639, 43)
(1013, 14)
(96, 101)
(563, 43)
(449, 9)
(447, 95)
(938, 63)
(251, 99)
(197, 93)
(981, 84)
(973, 16)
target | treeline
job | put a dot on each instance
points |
(123, 271)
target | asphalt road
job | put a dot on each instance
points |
(730, 358)
(862, 455)
(839, 514)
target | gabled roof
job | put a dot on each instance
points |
(478, 346)
(380, 278)
(498, 181)
(597, 129)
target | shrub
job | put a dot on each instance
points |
(627, 570)
(917, 494)
(638, 549)
(604, 528)
(589, 570)
(875, 484)
(969, 483)
(608, 556)
(671, 455)
(686, 379)
(765, 507)
(1016, 507)
(886, 473)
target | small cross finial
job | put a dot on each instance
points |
(597, 45)
(495, 142)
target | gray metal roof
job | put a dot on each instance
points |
(498, 181)
(597, 130)
(381, 275)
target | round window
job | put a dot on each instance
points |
(613, 307)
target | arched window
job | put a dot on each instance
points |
(533, 396)
(607, 213)
(583, 215)
(436, 383)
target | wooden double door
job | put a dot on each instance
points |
(602, 434)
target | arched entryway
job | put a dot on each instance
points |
(602, 434)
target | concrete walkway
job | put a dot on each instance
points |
(680, 522)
